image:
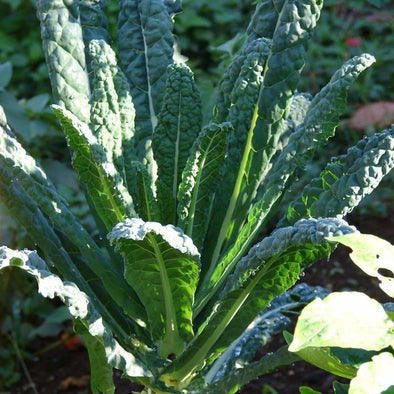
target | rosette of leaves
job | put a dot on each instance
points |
(185, 206)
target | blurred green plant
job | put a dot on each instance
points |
(20, 44)
(22, 320)
(348, 29)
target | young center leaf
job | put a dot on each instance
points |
(199, 179)
(179, 123)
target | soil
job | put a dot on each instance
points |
(64, 371)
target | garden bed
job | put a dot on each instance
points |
(67, 371)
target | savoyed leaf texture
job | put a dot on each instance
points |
(62, 39)
(79, 304)
(272, 320)
(242, 115)
(267, 364)
(28, 175)
(199, 180)
(179, 123)
(322, 116)
(280, 76)
(265, 18)
(347, 179)
(162, 265)
(145, 48)
(262, 25)
(321, 119)
(271, 267)
(94, 23)
(105, 185)
(105, 120)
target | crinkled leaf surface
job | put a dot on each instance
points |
(162, 266)
(110, 102)
(278, 80)
(179, 123)
(347, 179)
(199, 179)
(322, 117)
(145, 48)
(63, 44)
(373, 255)
(269, 322)
(105, 185)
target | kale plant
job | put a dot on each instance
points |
(183, 209)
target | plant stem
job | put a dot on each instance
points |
(23, 364)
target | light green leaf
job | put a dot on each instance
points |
(79, 305)
(346, 319)
(162, 266)
(106, 189)
(148, 206)
(372, 254)
(375, 377)
(199, 179)
(308, 390)
(101, 373)
(343, 363)
(61, 34)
